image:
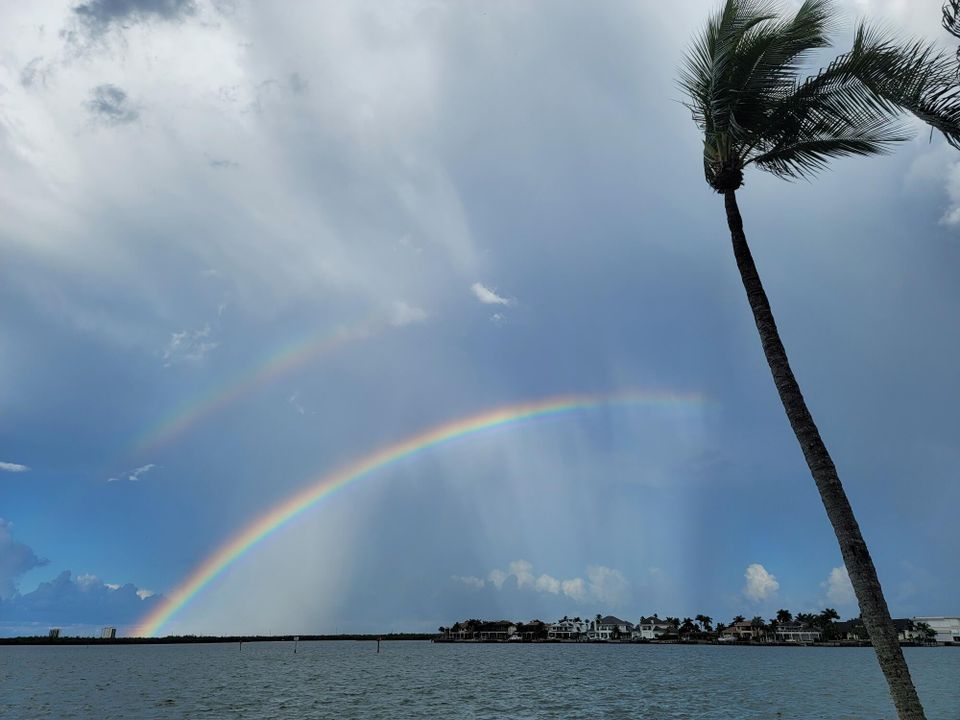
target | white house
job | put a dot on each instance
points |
(567, 629)
(947, 628)
(652, 628)
(610, 628)
(797, 632)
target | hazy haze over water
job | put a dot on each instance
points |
(418, 679)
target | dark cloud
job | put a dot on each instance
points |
(33, 73)
(99, 15)
(15, 559)
(111, 105)
(222, 163)
(86, 599)
(297, 83)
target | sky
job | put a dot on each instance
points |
(245, 245)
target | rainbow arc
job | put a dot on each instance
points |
(325, 486)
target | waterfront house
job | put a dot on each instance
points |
(740, 630)
(653, 628)
(906, 630)
(496, 630)
(567, 629)
(610, 627)
(466, 630)
(851, 630)
(797, 632)
(533, 630)
(947, 628)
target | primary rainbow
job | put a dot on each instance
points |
(324, 486)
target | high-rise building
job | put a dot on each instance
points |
(108, 633)
(54, 633)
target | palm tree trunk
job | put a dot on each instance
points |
(863, 575)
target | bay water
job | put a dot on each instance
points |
(348, 679)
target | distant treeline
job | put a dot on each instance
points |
(182, 639)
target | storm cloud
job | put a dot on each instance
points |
(111, 105)
(97, 16)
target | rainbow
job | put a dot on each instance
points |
(281, 361)
(326, 485)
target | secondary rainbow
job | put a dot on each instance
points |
(279, 362)
(326, 485)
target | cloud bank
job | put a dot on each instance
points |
(602, 584)
(85, 599)
(15, 559)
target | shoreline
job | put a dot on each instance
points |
(422, 637)
(205, 639)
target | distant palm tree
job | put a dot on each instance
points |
(828, 615)
(806, 618)
(825, 622)
(928, 632)
(784, 616)
(757, 624)
(706, 622)
(737, 619)
(744, 88)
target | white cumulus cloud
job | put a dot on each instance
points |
(488, 296)
(497, 577)
(13, 467)
(602, 584)
(405, 314)
(132, 475)
(761, 584)
(838, 587)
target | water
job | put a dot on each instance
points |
(420, 680)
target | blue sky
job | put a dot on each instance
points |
(515, 195)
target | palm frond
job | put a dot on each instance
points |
(810, 153)
(951, 17)
(916, 78)
(703, 76)
(742, 81)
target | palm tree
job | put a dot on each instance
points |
(828, 615)
(806, 618)
(772, 628)
(928, 632)
(757, 624)
(742, 81)
(737, 619)
(825, 622)
(784, 616)
(706, 622)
